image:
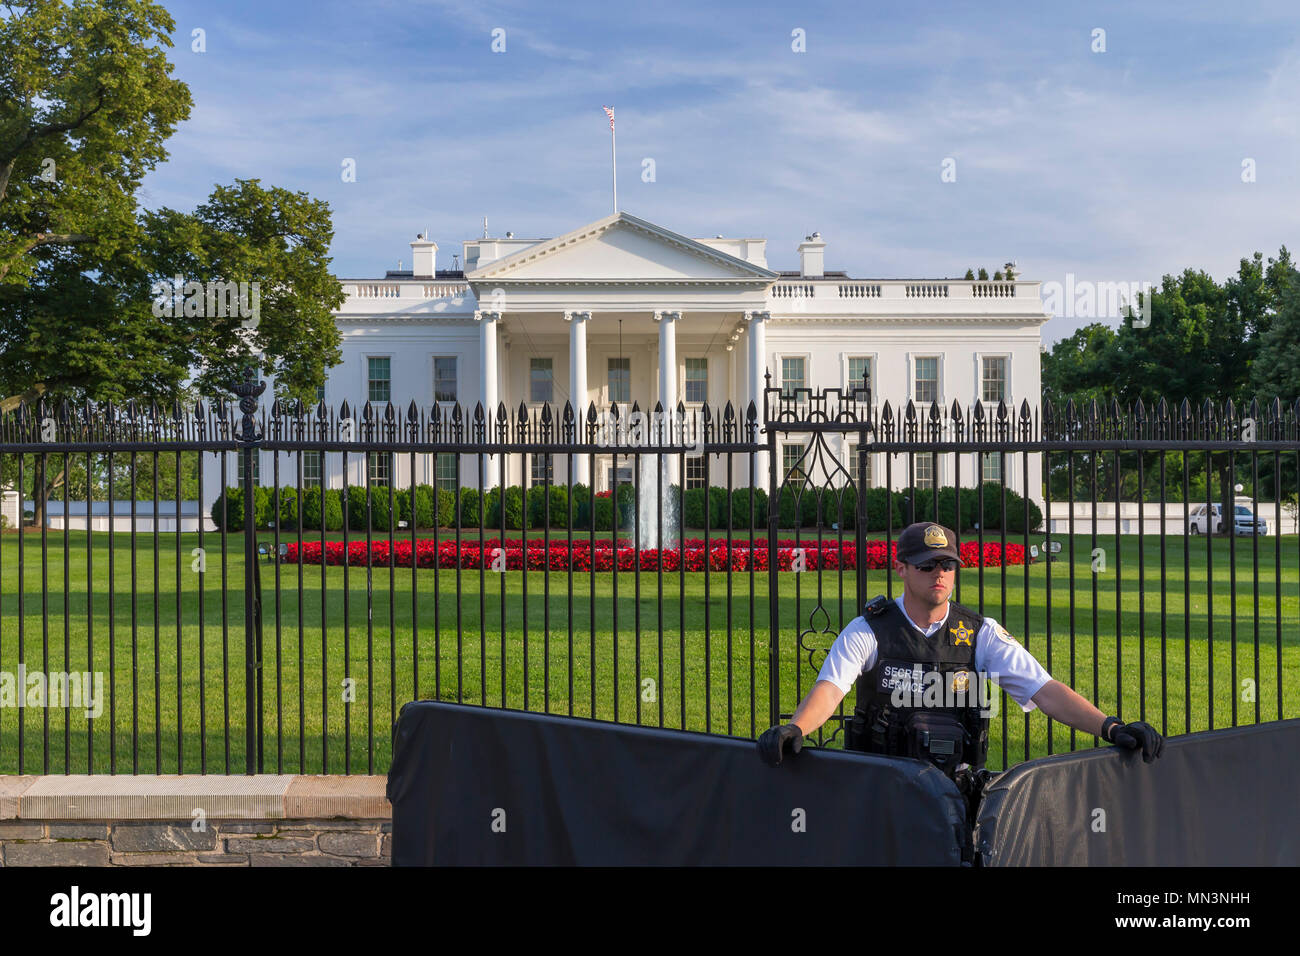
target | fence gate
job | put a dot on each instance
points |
(818, 448)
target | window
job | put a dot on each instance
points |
(543, 469)
(697, 470)
(541, 380)
(994, 379)
(445, 472)
(697, 380)
(859, 368)
(924, 471)
(927, 379)
(991, 469)
(381, 379)
(311, 468)
(851, 452)
(620, 379)
(790, 470)
(793, 375)
(239, 469)
(381, 467)
(444, 378)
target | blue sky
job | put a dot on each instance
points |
(1114, 166)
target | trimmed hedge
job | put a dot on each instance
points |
(797, 508)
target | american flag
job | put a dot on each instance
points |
(609, 111)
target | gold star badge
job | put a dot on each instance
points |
(961, 634)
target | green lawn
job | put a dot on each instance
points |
(705, 659)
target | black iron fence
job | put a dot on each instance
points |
(682, 570)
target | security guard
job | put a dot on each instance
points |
(919, 662)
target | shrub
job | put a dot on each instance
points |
(717, 507)
(422, 498)
(693, 508)
(471, 516)
(582, 507)
(287, 499)
(604, 514)
(1015, 509)
(228, 510)
(446, 508)
(380, 517)
(559, 506)
(514, 508)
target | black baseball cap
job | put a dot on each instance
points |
(925, 540)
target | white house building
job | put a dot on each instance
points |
(624, 310)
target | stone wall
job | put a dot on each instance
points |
(266, 820)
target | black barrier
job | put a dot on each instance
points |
(1217, 798)
(475, 785)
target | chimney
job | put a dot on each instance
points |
(424, 253)
(811, 256)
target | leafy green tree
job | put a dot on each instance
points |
(1075, 368)
(1275, 370)
(278, 240)
(86, 100)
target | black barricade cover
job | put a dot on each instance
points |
(578, 791)
(1217, 798)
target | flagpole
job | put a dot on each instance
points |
(613, 155)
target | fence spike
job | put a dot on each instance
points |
(1002, 410)
(910, 413)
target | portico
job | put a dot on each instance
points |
(617, 310)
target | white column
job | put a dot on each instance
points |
(757, 382)
(578, 386)
(668, 379)
(488, 384)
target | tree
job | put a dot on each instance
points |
(970, 274)
(86, 101)
(1205, 341)
(1275, 370)
(1076, 367)
(271, 237)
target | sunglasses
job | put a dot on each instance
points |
(945, 564)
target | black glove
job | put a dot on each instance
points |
(1138, 734)
(773, 742)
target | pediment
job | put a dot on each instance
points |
(621, 248)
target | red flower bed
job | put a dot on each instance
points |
(582, 556)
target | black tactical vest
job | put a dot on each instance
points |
(922, 697)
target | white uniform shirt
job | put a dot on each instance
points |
(997, 654)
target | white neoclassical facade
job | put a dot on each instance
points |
(623, 310)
